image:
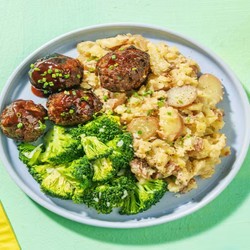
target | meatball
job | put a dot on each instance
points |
(72, 107)
(56, 72)
(23, 120)
(123, 69)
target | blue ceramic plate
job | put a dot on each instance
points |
(235, 104)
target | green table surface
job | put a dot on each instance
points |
(222, 26)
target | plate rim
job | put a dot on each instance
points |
(144, 222)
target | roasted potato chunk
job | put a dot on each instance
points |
(181, 96)
(210, 89)
(144, 126)
(171, 123)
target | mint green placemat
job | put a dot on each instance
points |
(223, 26)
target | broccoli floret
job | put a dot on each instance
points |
(61, 147)
(93, 148)
(123, 151)
(29, 153)
(104, 127)
(103, 169)
(143, 196)
(105, 197)
(58, 184)
(40, 172)
(80, 169)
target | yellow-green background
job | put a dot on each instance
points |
(223, 26)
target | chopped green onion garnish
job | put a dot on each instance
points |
(50, 71)
(105, 98)
(113, 57)
(45, 84)
(73, 92)
(44, 73)
(92, 69)
(78, 76)
(53, 75)
(66, 92)
(56, 70)
(116, 64)
(45, 92)
(111, 66)
(134, 68)
(32, 65)
(121, 49)
(139, 132)
(19, 125)
(160, 104)
(84, 98)
(71, 111)
(42, 126)
(169, 113)
(51, 84)
(36, 69)
(66, 76)
(62, 114)
(128, 111)
(46, 118)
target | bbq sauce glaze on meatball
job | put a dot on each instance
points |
(56, 72)
(72, 107)
(23, 120)
(123, 69)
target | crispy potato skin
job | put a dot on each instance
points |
(123, 70)
(26, 113)
(72, 107)
(67, 73)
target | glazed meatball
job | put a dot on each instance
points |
(55, 73)
(123, 69)
(72, 107)
(23, 120)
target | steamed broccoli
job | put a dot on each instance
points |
(111, 194)
(104, 127)
(123, 151)
(103, 169)
(143, 196)
(60, 183)
(29, 154)
(40, 172)
(81, 170)
(57, 185)
(65, 181)
(99, 153)
(61, 147)
(93, 148)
